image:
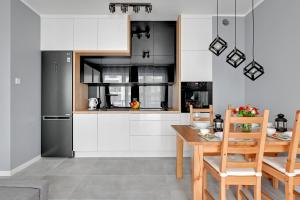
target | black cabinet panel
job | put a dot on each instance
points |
(140, 60)
(143, 43)
(164, 38)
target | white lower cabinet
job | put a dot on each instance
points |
(153, 143)
(85, 132)
(126, 134)
(114, 132)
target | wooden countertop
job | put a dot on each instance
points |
(126, 111)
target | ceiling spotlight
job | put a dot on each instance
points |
(136, 9)
(124, 8)
(112, 8)
(148, 8)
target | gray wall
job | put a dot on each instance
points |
(25, 98)
(277, 49)
(5, 85)
(229, 83)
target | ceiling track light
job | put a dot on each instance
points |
(135, 7)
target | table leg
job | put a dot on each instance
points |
(179, 158)
(197, 172)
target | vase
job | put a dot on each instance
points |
(246, 127)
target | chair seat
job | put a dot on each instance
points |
(215, 162)
(279, 164)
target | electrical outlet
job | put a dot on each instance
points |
(17, 81)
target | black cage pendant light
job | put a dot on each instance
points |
(253, 70)
(218, 45)
(236, 57)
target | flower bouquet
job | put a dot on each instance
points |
(246, 111)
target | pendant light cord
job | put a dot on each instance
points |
(235, 23)
(218, 18)
(253, 43)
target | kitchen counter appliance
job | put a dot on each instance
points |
(198, 94)
(57, 123)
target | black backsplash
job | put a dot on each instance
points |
(147, 75)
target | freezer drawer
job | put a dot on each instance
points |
(57, 136)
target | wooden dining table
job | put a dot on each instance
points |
(201, 147)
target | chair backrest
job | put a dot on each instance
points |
(294, 146)
(195, 118)
(255, 139)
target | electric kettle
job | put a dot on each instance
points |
(93, 102)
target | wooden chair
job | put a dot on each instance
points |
(286, 168)
(194, 111)
(231, 168)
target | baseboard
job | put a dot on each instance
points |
(128, 154)
(20, 167)
(5, 173)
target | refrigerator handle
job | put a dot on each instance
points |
(57, 118)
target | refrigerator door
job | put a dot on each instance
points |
(57, 136)
(56, 83)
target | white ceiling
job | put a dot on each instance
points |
(162, 9)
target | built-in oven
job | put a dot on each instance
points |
(198, 94)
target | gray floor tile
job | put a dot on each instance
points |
(115, 179)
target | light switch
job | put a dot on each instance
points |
(17, 81)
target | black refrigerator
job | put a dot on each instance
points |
(57, 121)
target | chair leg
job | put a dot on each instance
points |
(222, 189)
(275, 183)
(257, 189)
(289, 189)
(204, 183)
(238, 192)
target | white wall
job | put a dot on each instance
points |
(277, 49)
(228, 82)
(20, 127)
(25, 98)
(5, 85)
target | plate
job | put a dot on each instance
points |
(281, 136)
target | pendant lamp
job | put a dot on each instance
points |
(253, 70)
(218, 45)
(236, 57)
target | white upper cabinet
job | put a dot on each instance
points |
(196, 33)
(86, 34)
(196, 66)
(113, 33)
(196, 59)
(105, 33)
(57, 34)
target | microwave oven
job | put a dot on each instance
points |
(198, 94)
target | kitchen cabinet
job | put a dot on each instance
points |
(143, 43)
(114, 132)
(185, 119)
(196, 59)
(123, 134)
(153, 132)
(196, 33)
(85, 34)
(105, 33)
(196, 66)
(85, 132)
(113, 33)
(57, 34)
(161, 43)
(153, 144)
